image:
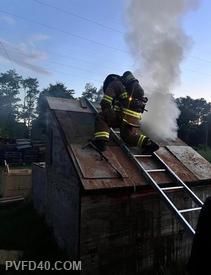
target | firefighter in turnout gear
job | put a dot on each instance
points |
(122, 105)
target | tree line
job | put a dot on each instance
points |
(194, 121)
(25, 118)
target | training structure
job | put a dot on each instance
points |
(113, 224)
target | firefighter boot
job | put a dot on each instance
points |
(149, 146)
(101, 144)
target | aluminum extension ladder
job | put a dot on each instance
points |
(179, 184)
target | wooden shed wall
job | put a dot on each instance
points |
(62, 199)
(125, 233)
(39, 186)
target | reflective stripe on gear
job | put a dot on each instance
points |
(131, 113)
(131, 124)
(116, 108)
(107, 98)
(124, 95)
(140, 140)
(102, 135)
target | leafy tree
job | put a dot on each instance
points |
(9, 91)
(90, 92)
(193, 119)
(208, 130)
(30, 86)
(205, 152)
(57, 90)
(100, 94)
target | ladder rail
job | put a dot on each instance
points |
(191, 193)
(149, 178)
(172, 206)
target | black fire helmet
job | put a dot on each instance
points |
(128, 78)
(109, 79)
(132, 85)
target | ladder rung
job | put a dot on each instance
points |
(155, 170)
(134, 158)
(142, 156)
(189, 209)
(172, 188)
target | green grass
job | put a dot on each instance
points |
(205, 152)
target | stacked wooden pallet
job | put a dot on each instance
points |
(22, 151)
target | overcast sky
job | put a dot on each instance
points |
(75, 41)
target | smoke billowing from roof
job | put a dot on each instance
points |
(158, 44)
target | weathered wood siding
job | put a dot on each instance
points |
(128, 233)
(62, 193)
(39, 186)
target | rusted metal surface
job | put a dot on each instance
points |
(97, 184)
(161, 177)
(96, 173)
(135, 176)
(176, 142)
(74, 132)
(149, 163)
(64, 104)
(93, 166)
(200, 167)
(133, 172)
(67, 123)
(77, 126)
(176, 165)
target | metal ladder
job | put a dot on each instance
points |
(179, 184)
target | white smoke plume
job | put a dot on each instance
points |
(158, 44)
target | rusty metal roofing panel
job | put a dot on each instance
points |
(97, 174)
(93, 166)
(83, 159)
(77, 127)
(149, 163)
(176, 165)
(176, 142)
(137, 178)
(64, 104)
(97, 184)
(199, 166)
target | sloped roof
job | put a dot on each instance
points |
(76, 123)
